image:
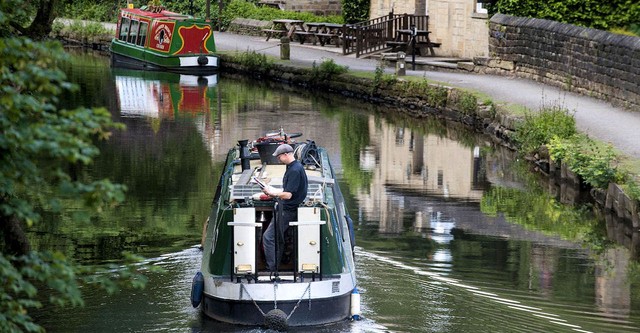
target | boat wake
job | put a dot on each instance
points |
(536, 313)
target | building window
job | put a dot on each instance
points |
(481, 6)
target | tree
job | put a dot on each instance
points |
(43, 151)
(355, 11)
(30, 18)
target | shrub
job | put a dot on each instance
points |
(588, 13)
(537, 129)
(255, 62)
(327, 70)
(596, 164)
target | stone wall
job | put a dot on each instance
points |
(584, 60)
(318, 7)
(249, 27)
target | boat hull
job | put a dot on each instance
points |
(308, 313)
(186, 66)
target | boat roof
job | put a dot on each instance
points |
(164, 14)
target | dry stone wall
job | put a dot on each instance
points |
(589, 61)
(317, 7)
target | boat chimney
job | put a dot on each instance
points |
(244, 154)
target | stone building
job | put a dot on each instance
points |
(460, 25)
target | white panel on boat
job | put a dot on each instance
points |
(244, 240)
(308, 239)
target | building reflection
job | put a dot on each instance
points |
(432, 185)
(404, 162)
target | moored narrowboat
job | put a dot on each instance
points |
(152, 38)
(315, 281)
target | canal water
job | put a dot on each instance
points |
(453, 234)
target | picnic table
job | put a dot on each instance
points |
(406, 38)
(284, 27)
(329, 32)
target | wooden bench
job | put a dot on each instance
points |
(302, 36)
(325, 38)
(421, 47)
(271, 32)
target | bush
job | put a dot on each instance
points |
(596, 164)
(327, 70)
(255, 62)
(587, 13)
(538, 129)
(355, 11)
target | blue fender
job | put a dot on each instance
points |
(197, 289)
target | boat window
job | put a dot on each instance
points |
(143, 33)
(124, 29)
(133, 35)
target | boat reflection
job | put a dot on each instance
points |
(163, 95)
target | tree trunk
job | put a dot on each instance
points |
(15, 239)
(41, 25)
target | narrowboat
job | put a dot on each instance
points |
(315, 282)
(152, 38)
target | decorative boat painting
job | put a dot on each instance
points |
(157, 39)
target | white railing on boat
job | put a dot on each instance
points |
(244, 191)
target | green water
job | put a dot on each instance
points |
(452, 235)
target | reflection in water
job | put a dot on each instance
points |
(451, 238)
(154, 94)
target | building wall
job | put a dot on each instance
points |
(454, 23)
(384, 7)
(462, 32)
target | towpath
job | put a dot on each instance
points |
(594, 117)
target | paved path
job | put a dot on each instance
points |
(597, 118)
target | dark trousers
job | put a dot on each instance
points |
(275, 234)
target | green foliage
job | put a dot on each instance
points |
(255, 62)
(466, 102)
(632, 188)
(44, 155)
(595, 163)
(354, 138)
(535, 210)
(247, 9)
(100, 11)
(355, 11)
(327, 70)
(588, 13)
(81, 30)
(537, 129)
(380, 79)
